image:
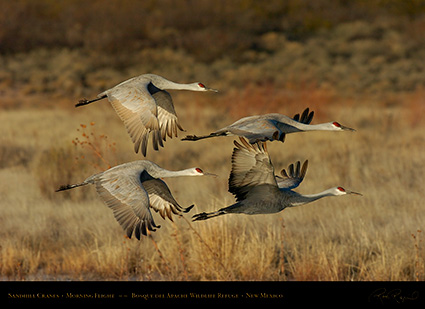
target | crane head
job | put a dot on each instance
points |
(202, 87)
(199, 172)
(337, 126)
(341, 191)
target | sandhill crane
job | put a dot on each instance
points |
(257, 189)
(145, 107)
(130, 189)
(271, 127)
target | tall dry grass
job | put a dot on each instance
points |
(354, 62)
(47, 235)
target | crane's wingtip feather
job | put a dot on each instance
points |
(186, 210)
(237, 144)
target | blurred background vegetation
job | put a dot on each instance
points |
(75, 47)
(360, 62)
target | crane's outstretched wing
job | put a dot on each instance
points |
(293, 177)
(137, 109)
(251, 168)
(306, 117)
(129, 201)
(161, 199)
(145, 110)
(256, 129)
(167, 117)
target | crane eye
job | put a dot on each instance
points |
(199, 170)
(336, 124)
(201, 85)
(341, 189)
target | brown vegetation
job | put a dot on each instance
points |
(362, 65)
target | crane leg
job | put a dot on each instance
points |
(205, 216)
(85, 101)
(197, 138)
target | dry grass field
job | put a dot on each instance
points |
(73, 235)
(358, 73)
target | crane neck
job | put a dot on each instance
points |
(288, 125)
(163, 83)
(299, 199)
(185, 172)
(163, 173)
(327, 126)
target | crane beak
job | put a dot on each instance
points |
(211, 89)
(352, 192)
(344, 128)
(210, 174)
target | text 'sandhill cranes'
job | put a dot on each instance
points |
(131, 189)
(146, 108)
(258, 190)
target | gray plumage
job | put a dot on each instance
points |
(256, 187)
(146, 108)
(271, 127)
(132, 189)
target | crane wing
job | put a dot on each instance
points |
(137, 109)
(145, 109)
(306, 117)
(129, 201)
(161, 199)
(254, 128)
(251, 168)
(167, 117)
(293, 177)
